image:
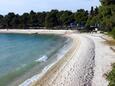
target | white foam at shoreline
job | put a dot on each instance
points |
(35, 78)
(42, 59)
(60, 55)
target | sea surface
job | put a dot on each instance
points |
(21, 55)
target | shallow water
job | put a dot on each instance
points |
(19, 52)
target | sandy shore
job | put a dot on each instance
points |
(83, 65)
(75, 68)
(32, 31)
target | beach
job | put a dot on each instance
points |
(57, 55)
(75, 69)
(33, 31)
(85, 64)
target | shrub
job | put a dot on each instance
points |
(113, 32)
(111, 76)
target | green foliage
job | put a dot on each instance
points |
(81, 16)
(107, 14)
(111, 22)
(93, 21)
(54, 18)
(107, 2)
(66, 17)
(103, 16)
(51, 19)
(1, 21)
(33, 21)
(111, 76)
(113, 32)
(41, 18)
(93, 18)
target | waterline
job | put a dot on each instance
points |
(20, 53)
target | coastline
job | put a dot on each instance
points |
(59, 64)
(58, 56)
(60, 52)
(34, 31)
(66, 68)
(72, 70)
(85, 64)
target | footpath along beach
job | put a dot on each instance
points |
(85, 64)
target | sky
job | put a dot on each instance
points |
(21, 6)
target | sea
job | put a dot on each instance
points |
(25, 55)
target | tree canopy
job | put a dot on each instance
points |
(54, 18)
(103, 17)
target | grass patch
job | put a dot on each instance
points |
(111, 76)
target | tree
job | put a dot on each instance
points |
(15, 21)
(25, 20)
(51, 19)
(81, 16)
(33, 21)
(106, 13)
(107, 2)
(96, 12)
(1, 21)
(66, 17)
(41, 18)
(92, 11)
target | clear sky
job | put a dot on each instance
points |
(21, 6)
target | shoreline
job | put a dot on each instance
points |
(59, 32)
(68, 62)
(59, 55)
(85, 64)
(72, 70)
(34, 31)
(56, 65)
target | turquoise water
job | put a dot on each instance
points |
(18, 53)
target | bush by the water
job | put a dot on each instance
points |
(111, 76)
